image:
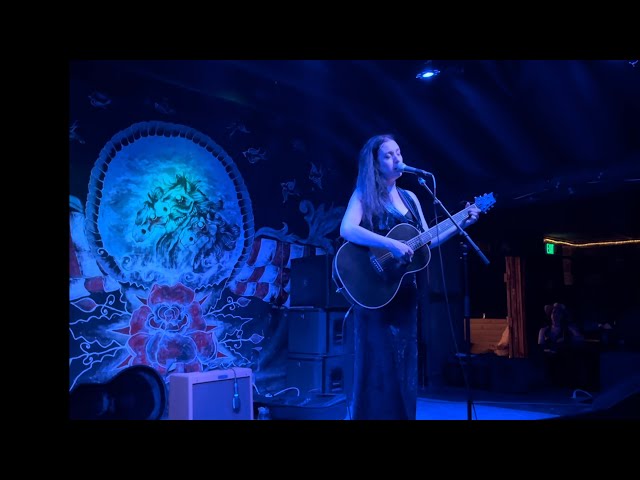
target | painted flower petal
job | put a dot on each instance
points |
(85, 304)
(255, 338)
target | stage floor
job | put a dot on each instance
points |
(450, 403)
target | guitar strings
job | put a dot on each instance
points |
(384, 258)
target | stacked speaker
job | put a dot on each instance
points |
(320, 344)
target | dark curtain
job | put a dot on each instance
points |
(516, 307)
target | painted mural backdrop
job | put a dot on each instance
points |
(165, 264)
(167, 205)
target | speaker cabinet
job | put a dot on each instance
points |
(320, 332)
(315, 374)
(311, 283)
(211, 395)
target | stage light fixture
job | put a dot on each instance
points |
(428, 72)
(431, 69)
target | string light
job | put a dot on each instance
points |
(592, 244)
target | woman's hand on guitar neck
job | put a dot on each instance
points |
(474, 214)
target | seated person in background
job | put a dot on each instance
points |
(502, 347)
(560, 331)
(569, 359)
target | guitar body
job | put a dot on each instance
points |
(371, 277)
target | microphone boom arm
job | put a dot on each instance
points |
(484, 259)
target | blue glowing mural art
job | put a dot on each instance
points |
(167, 205)
(168, 223)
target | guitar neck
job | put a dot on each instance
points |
(425, 237)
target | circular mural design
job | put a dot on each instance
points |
(166, 204)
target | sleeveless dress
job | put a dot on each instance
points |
(385, 382)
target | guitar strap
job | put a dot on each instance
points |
(411, 205)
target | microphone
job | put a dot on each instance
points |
(401, 167)
(235, 401)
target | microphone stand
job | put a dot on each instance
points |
(467, 302)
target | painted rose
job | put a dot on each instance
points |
(169, 329)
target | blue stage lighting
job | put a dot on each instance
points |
(427, 74)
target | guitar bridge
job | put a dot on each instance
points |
(376, 264)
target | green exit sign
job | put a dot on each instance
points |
(550, 248)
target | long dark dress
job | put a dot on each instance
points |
(385, 384)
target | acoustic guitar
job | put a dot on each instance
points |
(371, 277)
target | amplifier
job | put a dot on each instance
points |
(212, 395)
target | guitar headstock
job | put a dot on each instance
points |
(485, 202)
